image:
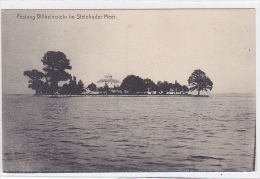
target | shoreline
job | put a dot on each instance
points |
(101, 95)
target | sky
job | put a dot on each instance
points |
(165, 45)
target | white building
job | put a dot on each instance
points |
(109, 81)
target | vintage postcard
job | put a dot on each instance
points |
(142, 90)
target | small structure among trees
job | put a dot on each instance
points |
(47, 83)
(199, 81)
(108, 81)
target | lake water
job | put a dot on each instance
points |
(128, 134)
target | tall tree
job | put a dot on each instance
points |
(149, 85)
(80, 87)
(185, 89)
(199, 81)
(106, 89)
(55, 64)
(45, 89)
(133, 84)
(177, 87)
(65, 89)
(35, 81)
(164, 86)
(92, 87)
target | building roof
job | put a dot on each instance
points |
(108, 79)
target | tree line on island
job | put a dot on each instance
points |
(136, 85)
(54, 71)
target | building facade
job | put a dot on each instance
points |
(109, 81)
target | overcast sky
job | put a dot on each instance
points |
(157, 44)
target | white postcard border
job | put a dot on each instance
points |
(102, 4)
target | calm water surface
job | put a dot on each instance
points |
(128, 134)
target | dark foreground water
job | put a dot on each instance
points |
(128, 134)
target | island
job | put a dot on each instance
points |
(56, 64)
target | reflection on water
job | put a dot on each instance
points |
(126, 134)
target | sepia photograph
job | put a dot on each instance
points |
(140, 90)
